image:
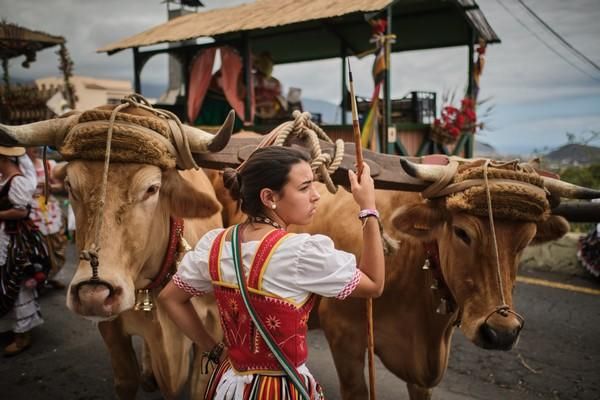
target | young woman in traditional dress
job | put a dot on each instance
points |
(282, 273)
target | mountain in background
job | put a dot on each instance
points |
(485, 150)
(573, 154)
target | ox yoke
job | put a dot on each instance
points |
(385, 169)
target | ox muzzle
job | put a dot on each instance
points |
(96, 298)
(500, 330)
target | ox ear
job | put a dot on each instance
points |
(185, 200)
(418, 220)
(552, 228)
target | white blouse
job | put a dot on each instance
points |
(19, 194)
(302, 264)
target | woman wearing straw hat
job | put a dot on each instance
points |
(22, 254)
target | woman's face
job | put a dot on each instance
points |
(297, 200)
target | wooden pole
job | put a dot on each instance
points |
(470, 90)
(387, 85)
(359, 169)
(247, 59)
(137, 70)
(356, 126)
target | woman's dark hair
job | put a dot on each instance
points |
(268, 167)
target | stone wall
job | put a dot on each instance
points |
(556, 256)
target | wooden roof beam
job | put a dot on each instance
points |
(342, 39)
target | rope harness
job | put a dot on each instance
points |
(181, 150)
(503, 309)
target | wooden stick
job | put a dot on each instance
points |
(371, 348)
(356, 126)
(359, 169)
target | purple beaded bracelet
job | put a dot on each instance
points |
(368, 212)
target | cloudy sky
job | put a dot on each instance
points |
(538, 95)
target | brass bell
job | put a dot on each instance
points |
(426, 265)
(143, 300)
(443, 308)
(434, 285)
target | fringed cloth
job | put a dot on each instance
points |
(226, 384)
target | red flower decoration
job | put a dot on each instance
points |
(453, 121)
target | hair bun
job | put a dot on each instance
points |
(232, 181)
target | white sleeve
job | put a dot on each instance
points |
(322, 269)
(192, 274)
(28, 170)
(20, 192)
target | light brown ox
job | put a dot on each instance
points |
(140, 199)
(411, 338)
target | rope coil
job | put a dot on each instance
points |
(302, 127)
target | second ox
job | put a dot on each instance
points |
(441, 274)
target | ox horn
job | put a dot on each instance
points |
(43, 133)
(432, 173)
(426, 172)
(569, 190)
(201, 141)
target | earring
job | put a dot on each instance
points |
(273, 206)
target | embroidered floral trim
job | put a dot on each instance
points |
(350, 286)
(181, 284)
(273, 322)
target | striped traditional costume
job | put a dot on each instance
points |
(24, 314)
(284, 271)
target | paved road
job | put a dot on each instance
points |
(558, 355)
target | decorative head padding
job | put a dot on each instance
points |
(517, 191)
(135, 139)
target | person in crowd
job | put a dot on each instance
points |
(267, 89)
(47, 214)
(281, 271)
(23, 257)
(588, 249)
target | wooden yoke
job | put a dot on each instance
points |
(385, 169)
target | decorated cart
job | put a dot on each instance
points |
(290, 31)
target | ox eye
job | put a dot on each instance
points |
(152, 190)
(462, 235)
